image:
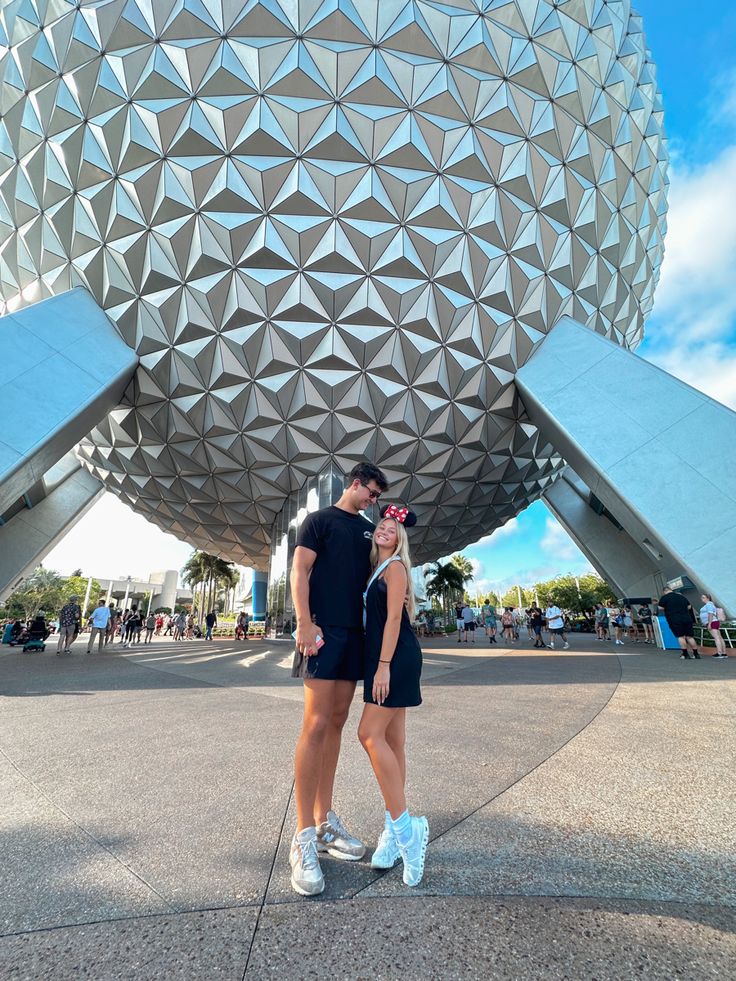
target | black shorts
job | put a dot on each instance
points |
(681, 628)
(470, 626)
(557, 630)
(342, 658)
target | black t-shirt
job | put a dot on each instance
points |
(341, 570)
(675, 606)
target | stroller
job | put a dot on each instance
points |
(37, 634)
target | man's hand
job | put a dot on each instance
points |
(306, 638)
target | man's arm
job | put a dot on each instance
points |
(306, 631)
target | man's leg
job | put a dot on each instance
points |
(319, 697)
(342, 698)
(61, 646)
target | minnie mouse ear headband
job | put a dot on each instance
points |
(403, 515)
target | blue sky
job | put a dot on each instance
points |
(692, 330)
(691, 333)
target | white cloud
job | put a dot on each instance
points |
(694, 320)
(556, 542)
(505, 531)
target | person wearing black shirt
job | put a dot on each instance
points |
(536, 619)
(679, 616)
(329, 573)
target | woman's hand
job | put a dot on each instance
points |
(381, 683)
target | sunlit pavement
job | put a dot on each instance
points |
(580, 807)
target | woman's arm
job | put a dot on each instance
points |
(395, 579)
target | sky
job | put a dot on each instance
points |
(691, 332)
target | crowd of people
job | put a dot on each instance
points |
(107, 625)
(610, 622)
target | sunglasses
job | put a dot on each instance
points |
(374, 495)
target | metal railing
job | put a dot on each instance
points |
(704, 638)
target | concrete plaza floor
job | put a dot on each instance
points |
(581, 810)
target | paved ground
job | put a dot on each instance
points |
(581, 807)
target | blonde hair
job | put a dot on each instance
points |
(402, 550)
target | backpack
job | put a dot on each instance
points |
(507, 619)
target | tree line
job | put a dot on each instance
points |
(447, 583)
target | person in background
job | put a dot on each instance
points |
(710, 618)
(629, 625)
(556, 625)
(536, 618)
(159, 624)
(468, 622)
(460, 623)
(70, 618)
(150, 627)
(98, 626)
(488, 618)
(507, 622)
(645, 618)
(679, 616)
(210, 621)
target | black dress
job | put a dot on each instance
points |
(406, 664)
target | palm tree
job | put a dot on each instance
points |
(446, 579)
(208, 572)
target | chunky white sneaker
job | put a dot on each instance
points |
(306, 873)
(565, 647)
(414, 853)
(552, 645)
(335, 839)
(386, 854)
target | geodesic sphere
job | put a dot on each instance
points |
(332, 231)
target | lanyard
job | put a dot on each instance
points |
(375, 576)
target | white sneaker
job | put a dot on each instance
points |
(415, 852)
(306, 872)
(387, 853)
(335, 839)
(565, 647)
(551, 645)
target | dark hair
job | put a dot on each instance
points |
(365, 472)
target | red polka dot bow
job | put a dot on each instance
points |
(394, 511)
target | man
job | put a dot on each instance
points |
(131, 626)
(98, 626)
(555, 624)
(329, 573)
(468, 622)
(70, 617)
(680, 618)
(210, 621)
(460, 623)
(112, 624)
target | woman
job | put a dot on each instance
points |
(488, 613)
(392, 672)
(709, 618)
(645, 617)
(537, 621)
(507, 622)
(617, 619)
(629, 625)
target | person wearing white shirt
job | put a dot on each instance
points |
(709, 618)
(555, 625)
(99, 621)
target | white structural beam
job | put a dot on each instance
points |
(64, 368)
(659, 455)
(70, 490)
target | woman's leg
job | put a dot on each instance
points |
(396, 738)
(372, 734)
(720, 645)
